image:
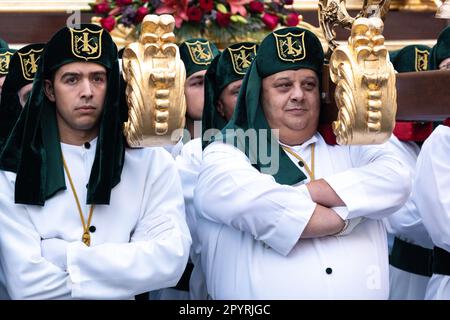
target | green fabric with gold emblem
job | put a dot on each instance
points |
(22, 68)
(5, 59)
(441, 49)
(33, 148)
(229, 66)
(3, 44)
(197, 54)
(392, 55)
(285, 49)
(412, 58)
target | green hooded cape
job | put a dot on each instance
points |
(229, 66)
(33, 148)
(22, 68)
(285, 49)
(441, 49)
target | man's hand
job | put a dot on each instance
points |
(321, 193)
(55, 251)
(350, 224)
(323, 222)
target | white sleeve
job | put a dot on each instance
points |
(156, 255)
(188, 164)
(406, 220)
(27, 274)
(431, 188)
(230, 191)
(376, 186)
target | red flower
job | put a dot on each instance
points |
(238, 6)
(206, 5)
(270, 20)
(177, 8)
(194, 14)
(140, 14)
(108, 23)
(102, 7)
(223, 19)
(123, 2)
(256, 6)
(292, 19)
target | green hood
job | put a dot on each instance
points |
(33, 148)
(412, 58)
(441, 49)
(229, 66)
(5, 59)
(285, 49)
(197, 54)
(3, 44)
(22, 68)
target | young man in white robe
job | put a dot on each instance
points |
(81, 215)
(431, 194)
(411, 255)
(431, 187)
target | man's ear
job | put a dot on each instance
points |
(220, 108)
(49, 91)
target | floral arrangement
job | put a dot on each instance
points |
(219, 20)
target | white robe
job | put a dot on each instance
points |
(406, 224)
(141, 242)
(431, 194)
(189, 165)
(174, 149)
(249, 225)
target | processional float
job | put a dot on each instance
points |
(363, 94)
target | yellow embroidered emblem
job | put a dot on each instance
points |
(200, 52)
(29, 63)
(291, 47)
(422, 60)
(86, 43)
(242, 57)
(5, 58)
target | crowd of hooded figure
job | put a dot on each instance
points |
(257, 201)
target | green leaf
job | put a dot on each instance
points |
(221, 8)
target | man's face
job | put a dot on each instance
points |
(194, 89)
(445, 64)
(291, 103)
(24, 93)
(78, 90)
(2, 80)
(228, 98)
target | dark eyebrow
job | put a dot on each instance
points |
(69, 74)
(74, 74)
(310, 78)
(197, 78)
(283, 78)
(99, 72)
(235, 85)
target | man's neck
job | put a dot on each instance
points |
(77, 138)
(296, 139)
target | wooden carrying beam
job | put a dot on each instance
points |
(421, 96)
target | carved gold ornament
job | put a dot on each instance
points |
(333, 13)
(365, 86)
(155, 77)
